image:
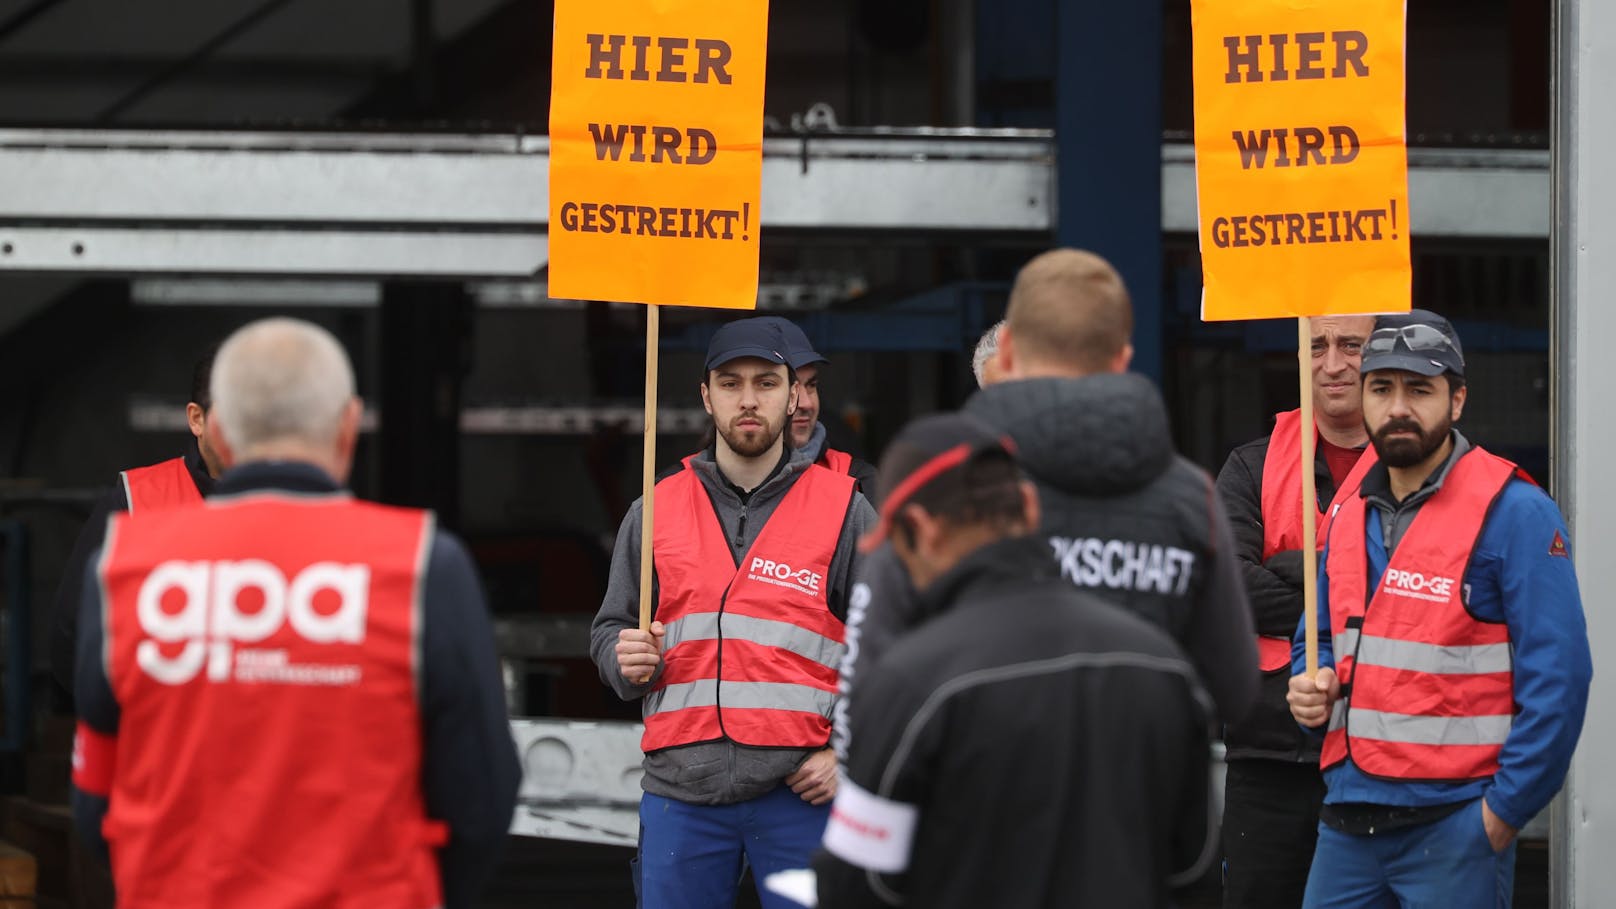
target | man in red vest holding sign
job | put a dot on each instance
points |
(289, 697)
(1453, 653)
(753, 546)
(1273, 788)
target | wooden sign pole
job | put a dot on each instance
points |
(1310, 499)
(648, 474)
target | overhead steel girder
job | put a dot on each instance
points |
(443, 205)
(1464, 193)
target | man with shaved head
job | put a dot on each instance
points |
(1069, 314)
(1124, 517)
(288, 697)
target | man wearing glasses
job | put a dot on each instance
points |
(1452, 645)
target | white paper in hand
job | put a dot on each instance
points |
(799, 885)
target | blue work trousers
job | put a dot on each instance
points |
(691, 855)
(1446, 864)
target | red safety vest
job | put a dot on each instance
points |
(1428, 691)
(165, 484)
(1282, 511)
(835, 461)
(264, 654)
(752, 650)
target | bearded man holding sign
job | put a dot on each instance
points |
(1302, 193)
(1453, 650)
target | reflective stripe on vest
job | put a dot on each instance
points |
(752, 650)
(1432, 658)
(283, 632)
(1427, 689)
(1282, 509)
(166, 484)
(739, 696)
(704, 626)
(836, 461)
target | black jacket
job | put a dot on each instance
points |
(1124, 517)
(1052, 749)
(1274, 589)
(65, 609)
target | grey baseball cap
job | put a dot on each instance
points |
(1419, 341)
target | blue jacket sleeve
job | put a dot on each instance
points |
(1299, 639)
(1523, 575)
(470, 768)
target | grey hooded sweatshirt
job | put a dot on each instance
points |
(722, 772)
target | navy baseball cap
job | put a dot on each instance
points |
(1419, 341)
(928, 454)
(799, 351)
(755, 337)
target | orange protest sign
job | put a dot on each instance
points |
(1301, 157)
(656, 151)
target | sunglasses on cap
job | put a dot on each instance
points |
(1414, 337)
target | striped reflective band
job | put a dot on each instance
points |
(740, 696)
(1436, 659)
(1428, 730)
(703, 626)
(1338, 714)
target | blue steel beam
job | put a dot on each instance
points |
(1108, 159)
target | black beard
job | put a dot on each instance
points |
(1407, 452)
(754, 444)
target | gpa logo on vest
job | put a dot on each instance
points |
(1435, 588)
(210, 622)
(781, 574)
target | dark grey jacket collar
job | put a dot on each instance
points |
(718, 486)
(198, 469)
(993, 566)
(816, 442)
(278, 476)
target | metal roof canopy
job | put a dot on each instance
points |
(461, 205)
(440, 205)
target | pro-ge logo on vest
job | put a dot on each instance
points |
(782, 575)
(1434, 588)
(210, 620)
